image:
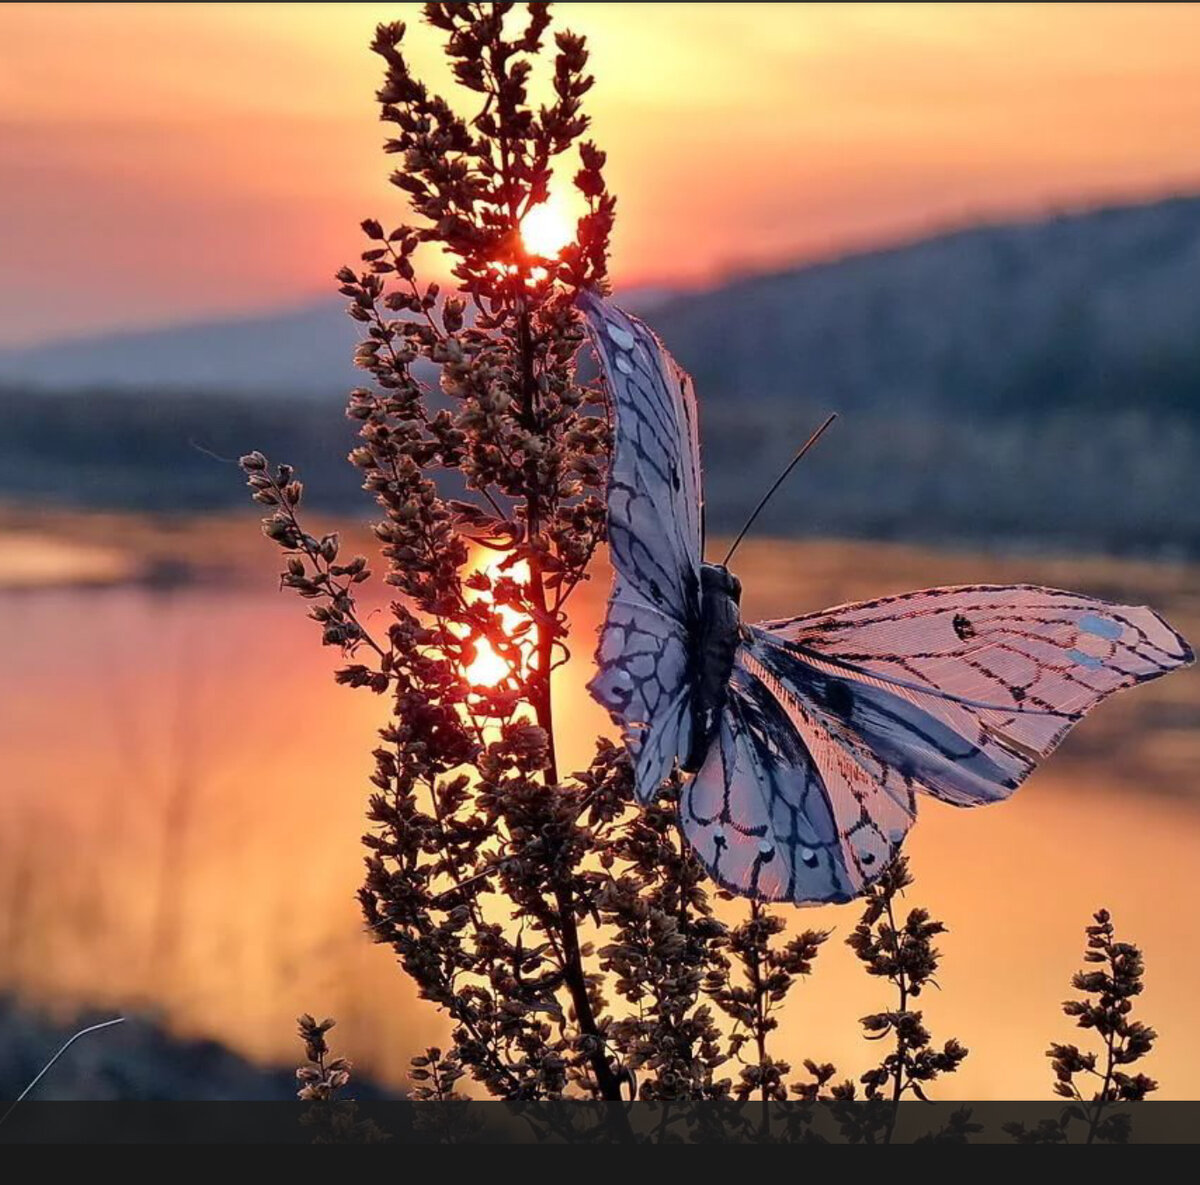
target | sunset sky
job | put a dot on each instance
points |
(164, 162)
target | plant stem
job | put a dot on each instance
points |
(760, 1016)
(540, 688)
(1110, 1063)
(901, 1047)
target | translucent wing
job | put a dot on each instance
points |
(965, 689)
(644, 679)
(655, 540)
(655, 528)
(785, 810)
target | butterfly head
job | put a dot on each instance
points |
(716, 580)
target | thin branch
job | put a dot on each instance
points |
(105, 1024)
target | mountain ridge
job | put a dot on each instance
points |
(303, 349)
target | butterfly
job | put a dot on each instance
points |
(803, 742)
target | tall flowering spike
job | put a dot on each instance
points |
(468, 799)
(902, 953)
(1096, 1080)
(767, 968)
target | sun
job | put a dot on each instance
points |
(547, 228)
(488, 669)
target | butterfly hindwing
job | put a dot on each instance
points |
(781, 810)
(897, 731)
(655, 542)
(644, 680)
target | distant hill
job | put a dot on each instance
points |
(1097, 310)
(1035, 382)
(304, 351)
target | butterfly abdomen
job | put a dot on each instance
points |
(716, 645)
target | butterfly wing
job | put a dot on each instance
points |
(965, 689)
(644, 679)
(655, 537)
(785, 810)
(836, 718)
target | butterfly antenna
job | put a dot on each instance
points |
(778, 482)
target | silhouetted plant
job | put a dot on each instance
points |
(903, 954)
(333, 1120)
(434, 1075)
(321, 1077)
(958, 1129)
(470, 804)
(1106, 1008)
(767, 974)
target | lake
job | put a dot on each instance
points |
(183, 793)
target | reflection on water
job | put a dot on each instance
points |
(183, 792)
(35, 560)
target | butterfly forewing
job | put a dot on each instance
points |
(655, 542)
(967, 688)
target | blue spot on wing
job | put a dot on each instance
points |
(1102, 627)
(1084, 660)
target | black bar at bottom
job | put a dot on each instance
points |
(400, 1122)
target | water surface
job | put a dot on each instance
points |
(183, 790)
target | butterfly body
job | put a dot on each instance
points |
(717, 642)
(806, 740)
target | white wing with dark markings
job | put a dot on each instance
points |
(785, 809)
(967, 688)
(655, 538)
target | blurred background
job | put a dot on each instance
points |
(973, 230)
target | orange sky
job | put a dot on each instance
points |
(160, 162)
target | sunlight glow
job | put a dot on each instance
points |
(755, 136)
(548, 228)
(488, 668)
